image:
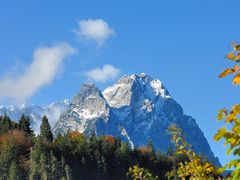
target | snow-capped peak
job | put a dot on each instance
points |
(159, 88)
(136, 87)
(87, 107)
(138, 104)
(35, 112)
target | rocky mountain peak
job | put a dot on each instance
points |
(87, 91)
(135, 88)
(137, 109)
(86, 108)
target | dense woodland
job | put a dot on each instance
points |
(72, 156)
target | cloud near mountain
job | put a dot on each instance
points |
(106, 73)
(47, 61)
(94, 30)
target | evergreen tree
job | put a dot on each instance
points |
(14, 173)
(93, 158)
(170, 151)
(45, 130)
(61, 168)
(44, 168)
(24, 124)
(64, 170)
(68, 172)
(4, 166)
(34, 174)
(55, 168)
(151, 147)
(5, 124)
(35, 159)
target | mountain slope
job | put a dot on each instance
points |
(35, 112)
(137, 109)
(86, 109)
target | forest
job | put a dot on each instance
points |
(25, 155)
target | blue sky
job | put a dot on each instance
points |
(182, 43)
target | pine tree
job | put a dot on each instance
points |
(34, 174)
(68, 172)
(35, 159)
(24, 124)
(61, 169)
(65, 172)
(44, 168)
(170, 151)
(55, 168)
(14, 173)
(5, 124)
(5, 160)
(45, 130)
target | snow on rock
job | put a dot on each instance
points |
(86, 108)
(53, 112)
(125, 134)
(137, 108)
(140, 105)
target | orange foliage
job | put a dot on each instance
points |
(229, 71)
(109, 139)
(144, 149)
(77, 137)
(75, 134)
(15, 140)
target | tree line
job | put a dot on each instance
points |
(24, 155)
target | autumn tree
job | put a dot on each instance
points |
(194, 168)
(137, 173)
(231, 118)
(14, 147)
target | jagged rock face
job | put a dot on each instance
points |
(86, 110)
(130, 90)
(35, 112)
(137, 108)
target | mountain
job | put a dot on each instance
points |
(137, 109)
(35, 112)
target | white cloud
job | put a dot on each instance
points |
(108, 72)
(47, 62)
(96, 30)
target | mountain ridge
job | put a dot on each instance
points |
(141, 106)
(137, 108)
(35, 112)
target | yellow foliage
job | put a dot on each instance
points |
(231, 135)
(232, 138)
(194, 169)
(230, 56)
(222, 113)
(237, 57)
(229, 71)
(236, 46)
(137, 173)
(233, 56)
(236, 79)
